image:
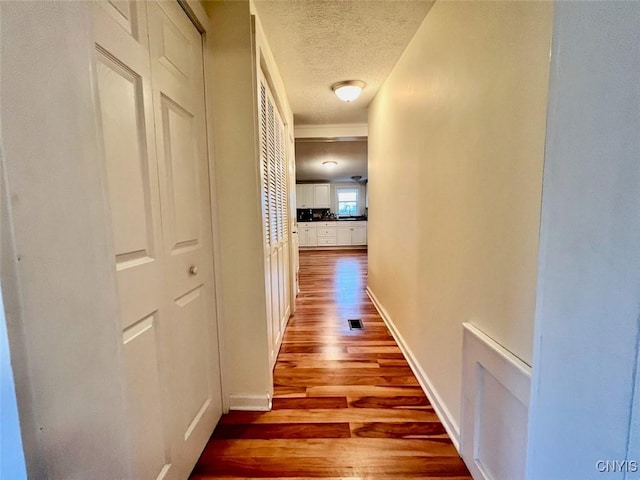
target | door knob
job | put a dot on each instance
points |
(193, 270)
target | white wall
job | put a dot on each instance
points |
(634, 420)
(237, 176)
(238, 49)
(267, 63)
(12, 464)
(587, 331)
(456, 142)
(58, 277)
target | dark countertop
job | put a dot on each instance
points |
(348, 219)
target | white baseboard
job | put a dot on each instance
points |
(495, 408)
(255, 403)
(440, 408)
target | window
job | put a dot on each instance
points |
(347, 201)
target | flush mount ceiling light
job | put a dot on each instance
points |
(349, 90)
(329, 164)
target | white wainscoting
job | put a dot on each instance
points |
(449, 423)
(495, 408)
(256, 403)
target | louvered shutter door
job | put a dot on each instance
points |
(273, 165)
(271, 177)
(279, 172)
(264, 159)
(285, 197)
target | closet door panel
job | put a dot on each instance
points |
(178, 96)
(149, 75)
(123, 78)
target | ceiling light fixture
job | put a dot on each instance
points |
(349, 90)
(329, 164)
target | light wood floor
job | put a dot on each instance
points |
(346, 404)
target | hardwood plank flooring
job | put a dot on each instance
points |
(346, 404)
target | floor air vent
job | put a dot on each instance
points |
(355, 324)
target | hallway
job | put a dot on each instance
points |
(346, 404)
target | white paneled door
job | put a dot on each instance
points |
(151, 94)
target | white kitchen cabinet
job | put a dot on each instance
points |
(351, 233)
(343, 236)
(330, 234)
(310, 195)
(322, 195)
(326, 232)
(307, 234)
(359, 235)
(305, 195)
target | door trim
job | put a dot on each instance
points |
(200, 19)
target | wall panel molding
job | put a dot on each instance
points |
(495, 408)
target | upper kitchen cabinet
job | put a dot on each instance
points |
(313, 195)
(322, 196)
(304, 195)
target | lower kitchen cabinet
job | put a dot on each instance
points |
(359, 236)
(326, 234)
(343, 236)
(351, 233)
(331, 234)
(307, 234)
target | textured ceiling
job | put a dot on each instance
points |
(351, 159)
(319, 42)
